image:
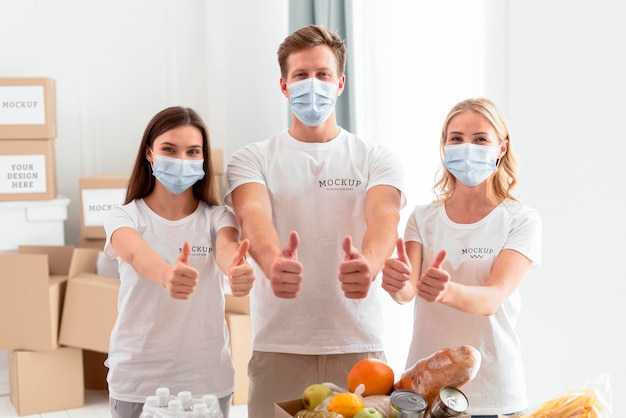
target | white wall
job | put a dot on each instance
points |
(566, 106)
(118, 62)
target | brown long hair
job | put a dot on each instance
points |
(141, 182)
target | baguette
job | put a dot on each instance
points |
(447, 367)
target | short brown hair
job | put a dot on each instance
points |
(309, 37)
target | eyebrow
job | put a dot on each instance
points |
(171, 144)
(327, 69)
(461, 133)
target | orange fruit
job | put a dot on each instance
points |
(376, 375)
(346, 404)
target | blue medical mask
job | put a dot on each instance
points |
(312, 100)
(175, 174)
(471, 164)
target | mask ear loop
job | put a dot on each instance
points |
(151, 164)
(499, 159)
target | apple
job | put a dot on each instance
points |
(315, 394)
(368, 412)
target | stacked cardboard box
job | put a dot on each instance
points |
(57, 315)
(31, 212)
(27, 132)
(43, 376)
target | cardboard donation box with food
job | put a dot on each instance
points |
(372, 390)
(431, 388)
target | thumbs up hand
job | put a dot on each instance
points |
(397, 271)
(355, 274)
(241, 274)
(434, 281)
(181, 279)
(286, 271)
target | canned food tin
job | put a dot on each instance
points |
(407, 404)
(450, 402)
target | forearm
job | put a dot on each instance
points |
(134, 250)
(404, 295)
(148, 264)
(380, 238)
(264, 242)
(479, 300)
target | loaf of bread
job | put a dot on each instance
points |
(446, 367)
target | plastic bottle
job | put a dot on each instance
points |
(185, 397)
(175, 409)
(200, 410)
(163, 394)
(213, 406)
(150, 407)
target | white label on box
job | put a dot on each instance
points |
(22, 105)
(23, 173)
(97, 202)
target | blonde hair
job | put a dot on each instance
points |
(505, 177)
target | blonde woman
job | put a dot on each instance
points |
(466, 255)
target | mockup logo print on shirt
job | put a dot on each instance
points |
(199, 250)
(339, 184)
(477, 252)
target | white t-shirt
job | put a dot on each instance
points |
(317, 190)
(499, 386)
(161, 341)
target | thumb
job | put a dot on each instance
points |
(240, 256)
(441, 256)
(349, 249)
(184, 254)
(401, 251)
(291, 248)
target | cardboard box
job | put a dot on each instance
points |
(89, 311)
(27, 170)
(237, 304)
(31, 222)
(98, 194)
(44, 381)
(240, 331)
(97, 243)
(217, 159)
(222, 185)
(94, 370)
(287, 409)
(28, 108)
(32, 289)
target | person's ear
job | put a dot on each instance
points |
(283, 87)
(342, 82)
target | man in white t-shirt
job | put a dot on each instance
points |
(321, 209)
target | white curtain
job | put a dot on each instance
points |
(335, 15)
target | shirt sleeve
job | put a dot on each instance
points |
(386, 168)
(243, 167)
(116, 218)
(525, 236)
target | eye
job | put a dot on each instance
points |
(194, 152)
(455, 139)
